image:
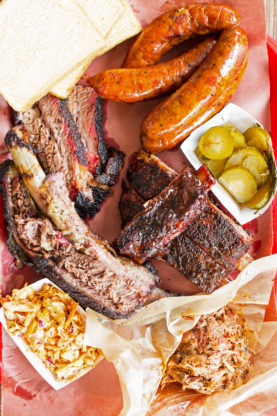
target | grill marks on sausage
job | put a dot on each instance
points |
(68, 136)
(116, 290)
(211, 245)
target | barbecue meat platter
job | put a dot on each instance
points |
(98, 196)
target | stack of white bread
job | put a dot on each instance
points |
(46, 45)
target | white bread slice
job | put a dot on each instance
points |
(126, 27)
(102, 13)
(40, 42)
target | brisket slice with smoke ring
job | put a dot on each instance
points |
(68, 137)
(165, 217)
(85, 277)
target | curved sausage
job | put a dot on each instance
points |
(202, 96)
(132, 85)
(174, 27)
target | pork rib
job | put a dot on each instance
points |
(149, 175)
(68, 137)
(165, 217)
(209, 248)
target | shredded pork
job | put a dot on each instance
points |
(213, 356)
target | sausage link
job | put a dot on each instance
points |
(202, 96)
(174, 27)
(132, 85)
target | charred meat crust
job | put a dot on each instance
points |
(148, 175)
(166, 216)
(16, 118)
(89, 207)
(130, 204)
(13, 247)
(112, 169)
(195, 263)
(99, 123)
(11, 138)
(218, 236)
(79, 145)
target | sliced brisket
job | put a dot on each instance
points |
(166, 216)
(110, 285)
(68, 137)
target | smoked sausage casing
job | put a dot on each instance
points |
(132, 85)
(202, 96)
(174, 27)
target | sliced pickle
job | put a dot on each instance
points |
(250, 158)
(216, 143)
(240, 183)
(261, 198)
(216, 167)
(237, 136)
(258, 137)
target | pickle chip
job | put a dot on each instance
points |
(258, 137)
(240, 183)
(216, 143)
(250, 158)
(237, 136)
(260, 199)
(216, 167)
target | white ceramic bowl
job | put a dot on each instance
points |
(31, 357)
(242, 120)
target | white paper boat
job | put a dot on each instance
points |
(242, 120)
(31, 357)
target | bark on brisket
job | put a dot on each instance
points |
(166, 216)
(99, 123)
(87, 207)
(72, 126)
(68, 136)
(112, 169)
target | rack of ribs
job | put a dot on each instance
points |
(163, 218)
(212, 244)
(68, 136)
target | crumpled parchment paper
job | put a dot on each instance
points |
(140, 346)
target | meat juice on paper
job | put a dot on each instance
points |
(21, 382)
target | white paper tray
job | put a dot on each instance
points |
(242, 120)
(31, 357)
